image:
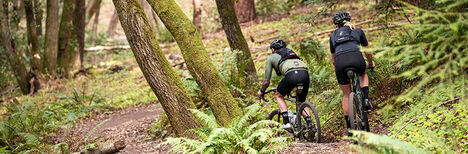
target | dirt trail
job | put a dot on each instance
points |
(129, 125)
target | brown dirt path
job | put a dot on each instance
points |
(130, 125)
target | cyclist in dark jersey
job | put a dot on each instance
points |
(344, 47)
(285, 62)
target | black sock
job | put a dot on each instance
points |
(365, 91)
(348, 125)
(308, 119)
(285, 117)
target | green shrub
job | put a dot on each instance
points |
(373, 143)
(238, 137)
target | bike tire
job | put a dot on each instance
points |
(273, 114)
(351, 115)
(313, 134)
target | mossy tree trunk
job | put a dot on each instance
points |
(196, 57)
(66, 52)
(245, 64)
(51, 43)
(157, 70)
(14, 57)
(35, 55)
(245, 10)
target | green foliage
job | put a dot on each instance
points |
(164, 36)
(432, 54)
(238, 137)
(271, 7)
(373, 143)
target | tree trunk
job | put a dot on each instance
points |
(158, 72)
(32, 36)
(196, 57)
(15, 59)
(39, 14)
(80, 22)
(245, 10)
(91, 9)
(197, 14)
(51, 44)
(67, 34)
(113, 24)
(245, 64)
(95, 24)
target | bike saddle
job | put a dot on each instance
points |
(350, 72)
(300, 87)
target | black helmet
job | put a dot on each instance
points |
(340, 17)
(277, 44)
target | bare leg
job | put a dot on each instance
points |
(281, 103)
(364, 80)
(306, 111)
(346, 89)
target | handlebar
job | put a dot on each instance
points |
(372, 71)
(266, 92)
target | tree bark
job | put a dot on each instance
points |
(67, 34)
(39, 14)
(245, 64)
(162, 79)
(197, 14)
(222, 103)
(32, 36)
(14, 58)
(80, 22)
(51, 43)
(245, 10)
(113, 24)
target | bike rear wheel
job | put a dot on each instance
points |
(357, 118)
(310, 132)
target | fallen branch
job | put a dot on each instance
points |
(110, 149)
(430, 109)
(99, 48)
(8, 91)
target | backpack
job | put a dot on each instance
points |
(342, 35)
(285, 54)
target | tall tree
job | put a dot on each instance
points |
(51, 38)
(39, 14)
(80, 22)
(158, 72)
(245, 64)
(67, 34)
(197, 12)
(113, 24)
(91, 9)
(196, 57)
(14, 58)
(95, 24)
(32, 36)
(245, 10)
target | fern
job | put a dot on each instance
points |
(383, 144)
(238, 137)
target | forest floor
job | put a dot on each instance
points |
(131, 125)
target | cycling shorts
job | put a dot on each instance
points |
(291, 79)
(348, 60)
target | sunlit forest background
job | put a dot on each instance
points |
(153, 76)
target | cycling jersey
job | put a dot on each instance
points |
(344, 40)
(285, 67)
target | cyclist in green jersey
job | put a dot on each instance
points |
(285, 62)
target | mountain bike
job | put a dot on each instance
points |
(357, 114)
(305, 132)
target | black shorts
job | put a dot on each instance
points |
(290, 81)
(348, 60)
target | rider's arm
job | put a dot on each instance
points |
(332, 50)
(268, 70)
(365, 43)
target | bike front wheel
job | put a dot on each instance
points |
(309, 131)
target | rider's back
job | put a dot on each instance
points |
(345, 40)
